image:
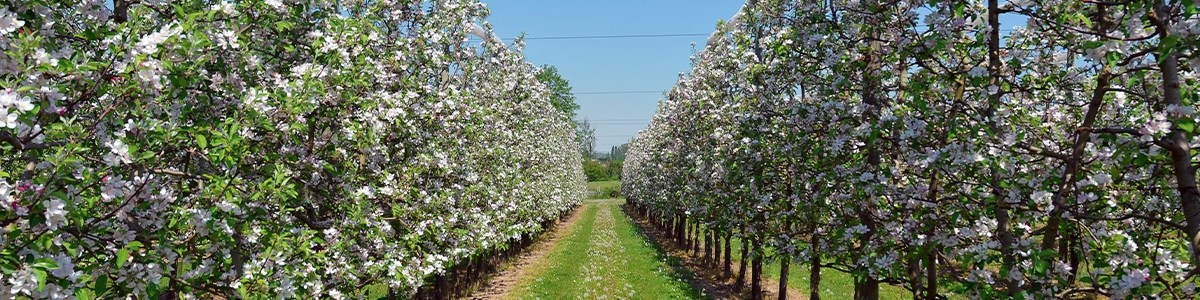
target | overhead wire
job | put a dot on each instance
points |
(616, 92)
(595, 37)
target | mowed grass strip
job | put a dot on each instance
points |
(605, 257)
(601, 185)
(555, 277)
(648, 270)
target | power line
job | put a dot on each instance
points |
(618, 120)
(624, 36)
(617, 92)
(635, 36)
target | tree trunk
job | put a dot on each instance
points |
(741, 279)
(931, 282)
(716, 259)
(1000, 209)
(783, 277)
(443, 286)
(680, 231)
(708, 240)
(688, 231)
(866, 288)
(756, 271)
(728, 255)
(814, 275)
(914, 277)
(1178, 143)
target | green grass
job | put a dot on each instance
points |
(556, 279)
(604, 189)
(650, 269)
(599, 185)
(605, 255)
(835, 284)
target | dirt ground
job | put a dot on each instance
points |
(501, 284)
(711, 281)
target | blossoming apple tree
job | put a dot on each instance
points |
(266, 148)
(923, 145)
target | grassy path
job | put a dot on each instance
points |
(604, 257)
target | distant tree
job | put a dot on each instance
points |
(614, 169)
(596, 170)
(587, 138)
(618, 152)
(560, 91)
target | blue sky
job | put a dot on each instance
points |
(619, 64)
(612, 65)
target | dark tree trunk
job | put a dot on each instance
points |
(814, 275)
(728, 255)
(756, 271)
(783, 277)
(866, 288)
(915, 279)
(931, 280)
(1001, 207)
(716, 259)
(741, 278)
(682, 232)
(708, 240)
(1177, 141)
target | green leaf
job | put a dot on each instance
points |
(1168, 45)
(41, 279)
(153, 290)
(101, 285)
(1187, 124)
(1041, 266)
(8, 263)
(45, 264)
(83, 294)
(201, 141)
(1112, 58)
(123, 254)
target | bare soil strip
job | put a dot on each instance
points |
(707, 278)
(505, 280)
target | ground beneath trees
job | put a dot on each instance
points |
(506, 279)
(710, 279)
(600, 252)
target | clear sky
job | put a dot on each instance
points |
(612, 64)
(597, 67)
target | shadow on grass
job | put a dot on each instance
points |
(700, 288)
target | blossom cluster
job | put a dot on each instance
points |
(266, 149)
(923, 144)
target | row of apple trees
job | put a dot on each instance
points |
(263, 149)
(1025, 149)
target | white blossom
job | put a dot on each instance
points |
(149, 43)
(9, 22)
(56, 214)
